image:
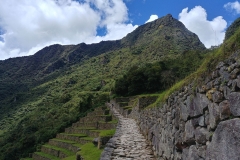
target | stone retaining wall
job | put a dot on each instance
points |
(72, 138)
(93, 134)
(96, 118)
(72, 130)
(106, 126)
(65, 145)
(36, 156)
(56, 153)
(81, 124)
(199, 121)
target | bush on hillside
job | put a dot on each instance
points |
(158, 76)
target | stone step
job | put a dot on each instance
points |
(85, 140)
(126, 111)
(94, 134)
(70, 137)
(96, 118)
(107, 126)
(43, 156)
(101, 112)
(87, 124)
(56, 151)
(88, 132)
(74, 130)
(69, 145)
(79, 138)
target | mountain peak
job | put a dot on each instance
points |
(165, 30)
(168, 18)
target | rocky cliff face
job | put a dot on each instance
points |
(199, 121)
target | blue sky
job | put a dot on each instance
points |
(140, 10)
(27, 26)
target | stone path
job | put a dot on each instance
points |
(128, 143)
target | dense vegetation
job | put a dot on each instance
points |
(232, 29)
(158, 76)
(47, 120)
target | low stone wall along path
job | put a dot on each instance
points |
(127, 143)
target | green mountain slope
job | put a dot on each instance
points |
(44, 93)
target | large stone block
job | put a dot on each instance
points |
(225, 143)
(191, 153)
(189, 132)
(234, 101)
(183, 112)
(226, 92)
(224, 110)
(217, 96)
(214, 115)
(196, 104)
(201, 135)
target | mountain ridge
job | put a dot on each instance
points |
(56, 56)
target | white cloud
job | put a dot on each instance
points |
(32, 25)
(211, 33)
(115, 31)
(152, 18)
(233, 6)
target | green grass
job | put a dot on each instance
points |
(70, 158)
(26, 159)
(107, 133)
(88, 128)
(77, 135)
(113, 121)
(66, 141)
(65, 151)
(47, 156)
(90, 152)
(87, 138)
(108, 115)
(78, 145)
(127, 107)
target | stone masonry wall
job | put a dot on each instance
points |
(199, 121)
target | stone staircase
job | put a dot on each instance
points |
(128, 142)
(87, 129)
(122, 105)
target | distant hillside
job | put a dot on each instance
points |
(232, 28)
(43, 93)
